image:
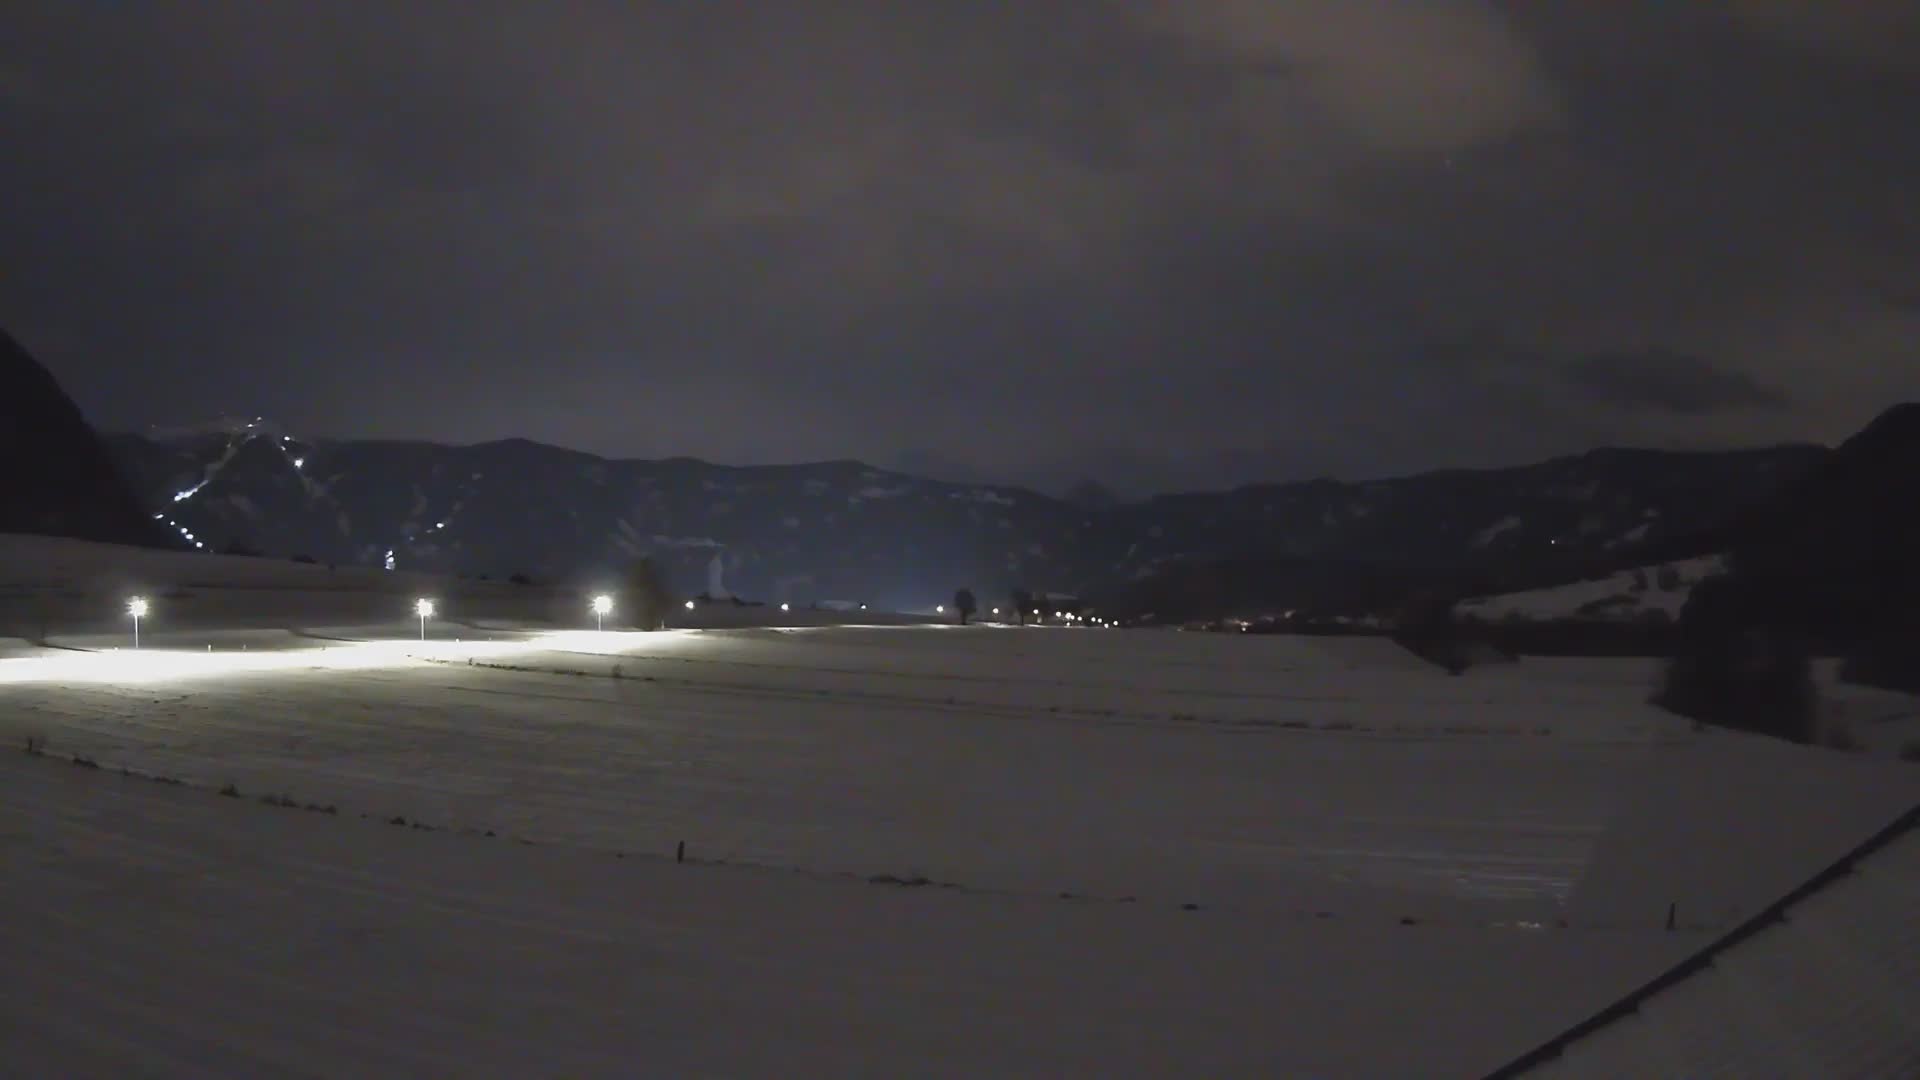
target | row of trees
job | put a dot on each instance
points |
(1022, 600)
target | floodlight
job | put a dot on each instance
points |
(136, 607)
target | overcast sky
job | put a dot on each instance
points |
(1164, 244)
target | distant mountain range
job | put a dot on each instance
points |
(1835, 532)
(847, 531)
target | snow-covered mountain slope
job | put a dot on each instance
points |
(842, 530)
(1641, 593)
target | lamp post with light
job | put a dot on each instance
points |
(423, 608)
(137, 607)
(602, 604)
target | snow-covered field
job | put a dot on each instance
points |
(910, 849)
(1659, 590)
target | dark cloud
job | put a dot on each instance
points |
(1669, 382)
(1159, 243)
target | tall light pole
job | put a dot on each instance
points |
(136, 607)
(602, 604)
(423, 608)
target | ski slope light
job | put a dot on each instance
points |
(602, 604)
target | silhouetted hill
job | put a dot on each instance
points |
(1465, 532)
(1839, 551)
(56, 477)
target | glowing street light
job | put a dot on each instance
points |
(939, 609)
(689, 605)
(136, 607)
(602, 604)
(423, 608)
(784, 606)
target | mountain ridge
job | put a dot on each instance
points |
(60, 479)
(843, 529)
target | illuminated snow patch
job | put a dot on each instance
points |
(150, 665)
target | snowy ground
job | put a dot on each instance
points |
(1627, 596)
(1146, 852)
(160, 931)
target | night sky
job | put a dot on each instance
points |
(1162, 244)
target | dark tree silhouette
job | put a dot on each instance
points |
(1890, 661)
(1737, 664)
(647, 597)
(1022, 604)
(964, 603)
(1427, 628)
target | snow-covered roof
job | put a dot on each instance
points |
(1826, 983)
